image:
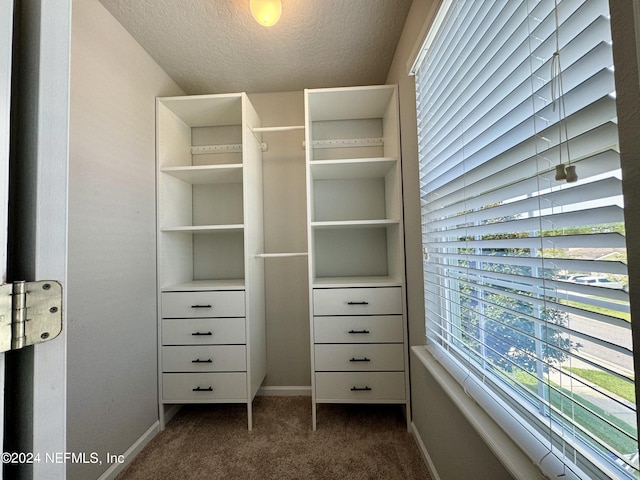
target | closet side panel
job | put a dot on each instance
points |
(254, 243)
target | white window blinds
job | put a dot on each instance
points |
(525, 275)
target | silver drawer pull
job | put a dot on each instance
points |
(200, 389)
(197, 360)
(360, 389)
(364, 359)
(195, 334)
(357, 303)
(200, 306)
(358, 331)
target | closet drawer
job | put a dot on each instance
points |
(203, 331)
(198, 387)
(356, 329)
(204, 358)
(357, 301)
(359, 357)
(383, 387)
(203, 304)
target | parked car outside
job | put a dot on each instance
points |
(598, 282)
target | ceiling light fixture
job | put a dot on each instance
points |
(266, 12)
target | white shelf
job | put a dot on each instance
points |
(206, 110)
(204, 285)
(354, 224)
(281, 255)
(351, 168)
(347, 282)
(349, 103)
(206, 174)
(204, 228)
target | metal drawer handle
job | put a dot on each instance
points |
(201, 333)
(197, 360)
(200, 306)
(364, 359)
(360, 389)
(200, 389)
(357, 303)
(359, 331)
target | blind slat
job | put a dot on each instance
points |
(601, 189)
(589, 142)
(596, 240)
(581, 218)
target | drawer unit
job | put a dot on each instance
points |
(203, 304)
(358, 329)
(365, 387)
(359, 351)
(359, 357)
(204, 347)
(204, 358)
(203, 331)
(357, 301)
(203, 387)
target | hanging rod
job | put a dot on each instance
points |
(278, 129)
(258, 130)
(281, 255)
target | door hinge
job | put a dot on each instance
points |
(30, 313)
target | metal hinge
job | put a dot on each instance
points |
(30, 313)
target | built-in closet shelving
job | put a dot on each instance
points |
(210, 228)
(211, 250)
(356, 256)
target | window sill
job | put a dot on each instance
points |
(506, 450)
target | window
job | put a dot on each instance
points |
(525, 264)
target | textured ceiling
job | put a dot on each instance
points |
(215, 46)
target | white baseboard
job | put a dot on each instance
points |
(423, 450)
(170, 412)
(131, 452)
(267, 391)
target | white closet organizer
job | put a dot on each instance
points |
(211, 285)
(356, 256)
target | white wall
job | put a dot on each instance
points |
(112, 349)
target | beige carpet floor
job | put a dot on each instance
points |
(209, 442)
